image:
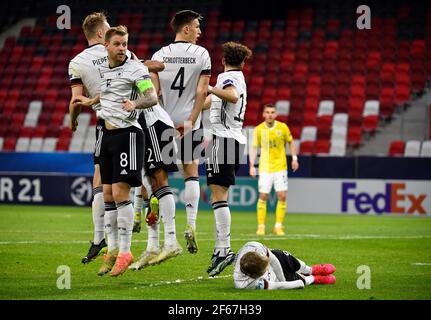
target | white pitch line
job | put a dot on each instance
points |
(169, 282)
(245, 239)
(421, 263)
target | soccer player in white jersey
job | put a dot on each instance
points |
(126, 86)
(183, 87)
(228, 100)
(258, 267)
(159, 160)
(85, 80)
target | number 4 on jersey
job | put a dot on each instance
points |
(179, 77)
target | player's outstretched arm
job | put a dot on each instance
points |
(228, 93)
(83, 101)
(156, 82)
(154, 66)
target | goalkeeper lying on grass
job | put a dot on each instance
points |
(258, 267)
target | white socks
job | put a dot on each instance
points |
(125, 225)
(98, 211)
(111, 227)
(304, 269)
(138, 200)
(167, 209)
(223, 221)
(153, 236)
(309, 280)
(191, 199)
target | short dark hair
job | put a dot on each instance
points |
(92, 22)
(119, 30)
(181, 18)
(235, 53)
(268, 105)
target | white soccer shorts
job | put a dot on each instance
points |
(278, 179)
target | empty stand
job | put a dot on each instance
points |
(312, 62)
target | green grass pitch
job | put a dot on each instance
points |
(35, 241)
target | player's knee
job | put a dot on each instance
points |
(107, 195)
(281, 196)
(218, 193)
(190, 170)
(159, 180)
(120, 195)
(263, 196)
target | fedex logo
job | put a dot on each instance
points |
(393, 200)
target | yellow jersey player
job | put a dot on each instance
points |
(271, 137)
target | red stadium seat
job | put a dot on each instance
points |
(9, 144)
(251, 118)
(396, 148)
(370, 123)
(355, 117)
(354, 136)
(63, 144)
(321, 146)
(387, 102)
(309, 118)
(283, 118)
(39, 131)
(26, 132)
(295, 130)
(307, 148)
(295, 118)
(283, 93)
(18, 119)
(324, 127)
(402, 94)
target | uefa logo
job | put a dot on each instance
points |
(81, 191)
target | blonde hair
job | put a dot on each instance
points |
(92, 22)
(253, 264)
(118, 30)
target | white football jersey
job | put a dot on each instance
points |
(243, 281)
(184, 64)
(119, 84)
(84, 69)
(227, 118)
(155, 113)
